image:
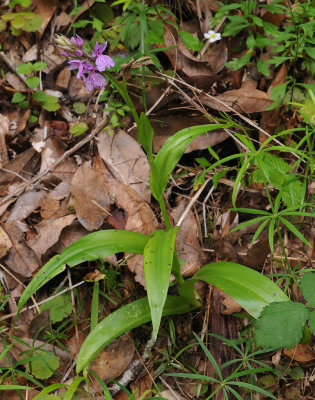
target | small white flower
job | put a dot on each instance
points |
(212, 36)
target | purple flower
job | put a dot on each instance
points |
(95, 80)
(101, 61)
(77, 42)
(83, 67)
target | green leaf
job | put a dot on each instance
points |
(23, 3)
(50, 103)
(272, 169)
(190, 41)
(308, 287)
(122, 320)
(263, 67)
(17, 97)
(170, 154)
(14, 387)
(79, 107)
(145, 136)
(44, 365)
(293, 192)
(93, 246)
(296, 373)
(39, 95)
(25, 68)
(252, 290)
(48, 389)
(38, 66)
(281, 325)
(34, 24)
(60, 307)
(310, 51)
(79, 128)
(311, 321)
(32, 119)
(32, 82)
(294, 230)
(157, 261)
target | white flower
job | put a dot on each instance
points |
(212, 36)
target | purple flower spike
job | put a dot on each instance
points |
(83, 67)
(95, 80)
(102, 62)
(98, 50)
(78, 42)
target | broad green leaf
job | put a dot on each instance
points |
(39, 95)
(32, 82)
(157, 262)
(79, 128)
(191, 42)
(60, 307)
(122, 320)
(43, 365)
(145, 136)
(170, 154)
(26, 68)
(51, 103)
(281, 325)
(272, 169)
(310, 51)
(93, 246)
(308, 287)
(38, 66)
(79, 107)
(34, 24)
(17, 97)
(292, 191)
(311, 321)
(252, 290)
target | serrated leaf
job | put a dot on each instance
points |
(50, 103)
(311, 321)
(32, 82)
(190, 41)
(281, 325)
(38, 66)
(308, 287)
(157, 262)
(122, 320)
(34, 24)
(79, 128)
(39, 95)
(44, 365)
(272, 168)
(79, 107)
(293, 192)
(26, 68)
(17, 97)
(60, 307)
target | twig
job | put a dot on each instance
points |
(191, 203)
(37, 177)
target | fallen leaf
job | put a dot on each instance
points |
(5, 243)
(187, 243)
(21, 258)
(50, 206)
(91, 198)
(171, 395)
(247, 99)
(46, 9)
(127, 161)
(26, 204)
(4, 131)
(114, 359)
(143, 384)
(48, 234)
(301, 353)
(31, 54)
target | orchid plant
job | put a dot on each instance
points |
(86, 64)
(249, 288)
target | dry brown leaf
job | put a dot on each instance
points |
(127, 161)
(46, 9)
(50, 204)
(77, 88)
(139, 216)
(229, 305)
(26, 204)
(4, 131)
(63, 79)
(5, 243)
(91, 198)
(187, 244)
(15, 82)
(63, 19)
(247, 99)
(166, 125)
(171, 395)
(21, 258)
(114, 359)
(142, 384)
(301, 353)
(48, 234)
(31, 54)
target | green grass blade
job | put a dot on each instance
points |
(122, 320)
(73, 387)
(94, 307)
(157, 262)
(254, 388)
(252, 290)
(170, 154)
(210, 357)
(294, 230)
(91, 247)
